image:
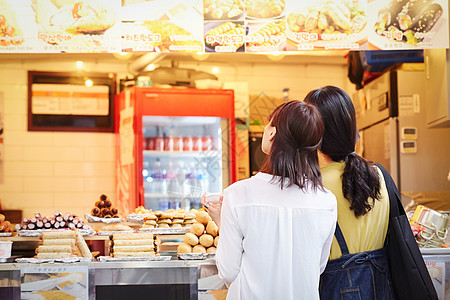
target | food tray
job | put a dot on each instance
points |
(196, 256)
(166, 230)
(38, 232)
(94, 219)
(435, 251)
(33, 260)
(5, 233)
(114, 232)
(137, 218)
(156, 258)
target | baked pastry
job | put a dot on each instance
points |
(60, 234)
(216, 241)
(52, 242)
(140, 248)
(184, 248)
(191, 239)
(198, 229)
(116, 227)
(167, 221)
(206, 240)
(211, 250)
(189, 216)
(132, 236)
(176, 225)
(143, 242)
(203, 217)
(133, 254)
(198, 249)
(54, 249)
(158, 213)
(212, 228)
(166, 215)
(82, 246)
(163, 225)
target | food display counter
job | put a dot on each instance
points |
(174, 279)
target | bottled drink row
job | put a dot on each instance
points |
(178, 143)
(177, 179)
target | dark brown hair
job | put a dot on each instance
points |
(360, 180)
(293, 153)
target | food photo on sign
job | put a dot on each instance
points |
(408, 24)
(340, 24)
(162, 26)
(225, 36)
(74, 26)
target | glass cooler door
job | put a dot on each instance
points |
(183, 158)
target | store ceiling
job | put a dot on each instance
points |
(314, 57)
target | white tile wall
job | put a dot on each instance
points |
(67, 171)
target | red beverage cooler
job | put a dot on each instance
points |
(172, 146)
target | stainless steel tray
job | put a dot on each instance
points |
(8, 259)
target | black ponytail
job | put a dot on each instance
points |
(360, 180)
(360, 184)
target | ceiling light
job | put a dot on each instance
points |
(276, 55)
(80, 65)
(215, 70)
(88, 83)
(200, 55)
(150, 67)
(123, 55)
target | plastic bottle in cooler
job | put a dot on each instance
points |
(157, 176)
(203, 178)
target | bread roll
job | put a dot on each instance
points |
(198, 229)
(143, 248)
(133, 236)
(216, 241)
(52, 255)
(54, 249)
(49, 242)
(211, 250)
(198, 249)
(133, 254)
(184, 248)
(206, 240)
(59, 234)
(212, 228)
(202, 217)
(133, 242)
(191, 239)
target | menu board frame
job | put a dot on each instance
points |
(65, 84)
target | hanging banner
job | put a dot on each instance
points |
(408, 24)
(84, 26)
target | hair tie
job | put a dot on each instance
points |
(351, 153)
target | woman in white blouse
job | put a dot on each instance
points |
(276, 227)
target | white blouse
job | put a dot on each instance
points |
(274, 243)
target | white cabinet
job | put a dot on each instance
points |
(437, 98)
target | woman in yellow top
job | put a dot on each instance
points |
(358, 266)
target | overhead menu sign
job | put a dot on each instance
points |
(82, 26)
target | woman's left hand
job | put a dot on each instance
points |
(213, 209)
